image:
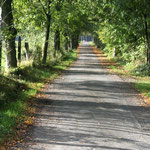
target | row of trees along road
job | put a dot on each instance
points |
(120, 27)
(45, 26)
(123, 27)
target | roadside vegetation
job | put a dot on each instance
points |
(21, 86)
(139, 75)
(123, 35)
(37, 39)
(136, 75)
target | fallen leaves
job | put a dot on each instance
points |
(105, 61)
(29, 121)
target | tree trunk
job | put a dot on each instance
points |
(146, 39)
(57, 41)
(19, 49)
(114, 52)
(48, 16)
(27, 50)
(10, 33)
(75, 41)
(0, 54)
(58, 7)
(70, 43)
(97, 41)
(66, 42)
(46, 40)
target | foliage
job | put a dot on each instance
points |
(119, 27)
(142, 70)
(123, 27)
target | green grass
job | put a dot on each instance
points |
(20, 85)
(143, 85)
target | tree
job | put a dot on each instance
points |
(19, 49)
(0, 54)
(9, 33)
(37, 19)
(123, 26)
(47, 12)
(58, 6)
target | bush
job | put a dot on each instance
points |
(142, 70)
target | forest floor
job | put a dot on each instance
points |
(89, 108)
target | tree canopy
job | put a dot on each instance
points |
(50, 27)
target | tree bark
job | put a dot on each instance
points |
(114, 52)
(46, 41)
(146, 39)
(9, 32)
(75, 41)
(58, 7)
(19, 49)
(70, 44)
(96, 41)
(48, 15)
(27, 50)
(66, 42)
(0, 54)
(57, 41)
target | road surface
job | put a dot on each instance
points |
(90, 109)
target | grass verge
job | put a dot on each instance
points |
(19, 87)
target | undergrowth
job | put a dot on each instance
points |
(20, 85)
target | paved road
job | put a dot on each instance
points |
(90, 109)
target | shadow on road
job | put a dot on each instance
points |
(90, 109)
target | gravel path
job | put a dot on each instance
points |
(90, 109)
